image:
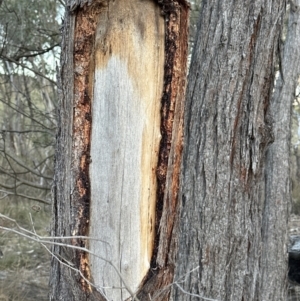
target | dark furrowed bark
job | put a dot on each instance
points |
(277, 172)
(228, 128)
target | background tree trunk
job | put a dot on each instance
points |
(277, 174)
(228, 248)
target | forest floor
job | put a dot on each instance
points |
(25, 265)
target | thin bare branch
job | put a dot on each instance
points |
(27, 132)
(28, 68)
(26, 196)
(25, 115)
(44, 241)
(40, 239)
(22, 181)
(37, 53)
(21, 163)
(62, 3)
(14, 186)
(32, 184)
(194, 295)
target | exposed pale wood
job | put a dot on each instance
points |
(129, 69)
(158, 283)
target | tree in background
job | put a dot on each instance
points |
(29, 52)
(295, 154)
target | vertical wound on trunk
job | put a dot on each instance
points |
(97, 53)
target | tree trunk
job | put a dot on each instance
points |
(232, 243)
(119, 149)
(277, 176)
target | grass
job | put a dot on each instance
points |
(24, 267)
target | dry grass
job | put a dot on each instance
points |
(24, 267)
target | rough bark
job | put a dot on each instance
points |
(122, 86)
(71, 183)
(224, 242)
(278, 195)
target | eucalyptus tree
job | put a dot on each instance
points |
(210, 223)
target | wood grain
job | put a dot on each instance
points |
(125, 137)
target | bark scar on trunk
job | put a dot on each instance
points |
(169, 158)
